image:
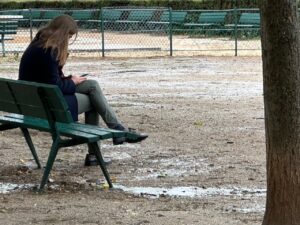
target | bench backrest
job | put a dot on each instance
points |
(111, 14)
(12, 12)
(32, 14)
(34, 99)
(212, 17)
(8, 27)
(177, 16)
(82, 15)
(140, 15)
(250, 18)
(52, 14)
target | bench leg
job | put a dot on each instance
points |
(51, 159)
(31, 146)
(99, 157)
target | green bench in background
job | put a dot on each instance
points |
(112, 19)
(249, 20)
(247, 25)
(136, 19)
(49, 15)
(111, 15)
(7, 30)
(178, 17)
(207, 23)
(45, 16)
(31, 18)
(167, 18)
(136, 16)
(42, 107)
(209, 20)
(87, 18)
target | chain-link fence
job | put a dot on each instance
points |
(141, 31)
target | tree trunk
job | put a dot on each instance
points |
(281, 56)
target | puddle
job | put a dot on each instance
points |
(7, 187)
(174, 168)
(194, 192)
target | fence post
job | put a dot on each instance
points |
(170, 31)
(235, 31)
(102, 32)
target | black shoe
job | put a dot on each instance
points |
(140, 138)
(121, 140)
(91, 160)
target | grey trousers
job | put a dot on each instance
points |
(93, 103)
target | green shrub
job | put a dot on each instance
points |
(175, 4)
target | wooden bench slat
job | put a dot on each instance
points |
(94, 130)
(115, 133)
(90, 129)
(42, 125)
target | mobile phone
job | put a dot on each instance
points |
(85, 74)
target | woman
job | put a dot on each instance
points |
(43, 61)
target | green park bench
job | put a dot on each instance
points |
(41, 18)
(7, 30)
(176, 18)
(111, 15)
(82, 15)
(112, 19)
(31, 17)
(51, 14)
(86, 18)
(249, 20)
(30, 105)
(208, 20)
(247, 25)
(137, 18)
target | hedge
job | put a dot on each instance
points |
(175, 4)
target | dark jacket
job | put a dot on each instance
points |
(40, 65)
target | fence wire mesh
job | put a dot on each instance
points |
(135, 31)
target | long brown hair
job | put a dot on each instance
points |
(56, 35)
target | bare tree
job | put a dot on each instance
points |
(281, 75)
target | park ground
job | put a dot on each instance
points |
(203, 163)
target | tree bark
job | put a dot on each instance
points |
(281, 81)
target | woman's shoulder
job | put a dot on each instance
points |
(39, 52)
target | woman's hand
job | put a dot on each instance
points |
(77, 79)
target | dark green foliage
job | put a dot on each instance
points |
(175, 4)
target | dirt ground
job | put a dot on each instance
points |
(203, 163)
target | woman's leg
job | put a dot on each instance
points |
(91, 116)
(98, 102)
(85, 106)
(92, 100)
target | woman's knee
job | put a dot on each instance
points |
(93, 85)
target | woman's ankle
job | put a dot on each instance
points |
(116, 126)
